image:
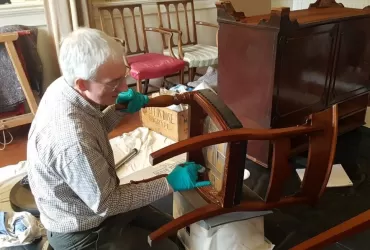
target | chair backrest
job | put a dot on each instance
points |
(321, 151)
(321, 129)
(131, 20)
(183, 19)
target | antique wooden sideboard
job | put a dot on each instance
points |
(276, 69)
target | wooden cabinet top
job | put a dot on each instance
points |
(318, 13)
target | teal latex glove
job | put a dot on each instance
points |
(134, 99)
(185, 176)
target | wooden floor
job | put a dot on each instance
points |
(16, 151)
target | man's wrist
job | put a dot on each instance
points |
(120, 107)
(170, 188)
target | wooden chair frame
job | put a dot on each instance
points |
(321, 129)
(9, 39)
(110, 8)
(348, 228)
(190, 40)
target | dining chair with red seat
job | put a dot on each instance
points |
(144, 65)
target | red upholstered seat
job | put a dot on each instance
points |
(153, 65)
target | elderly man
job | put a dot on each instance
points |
(71, 166)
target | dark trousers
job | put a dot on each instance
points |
(128, 231)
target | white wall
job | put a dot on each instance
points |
(204, 11)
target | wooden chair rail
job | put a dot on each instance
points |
(206, 24)
(198, 142)
(348, 228)
(212, 210)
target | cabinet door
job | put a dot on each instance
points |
(303, 69)
(351, 75)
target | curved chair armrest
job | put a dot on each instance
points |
(206, 24)
(170, 32)
(121, 41)
(209, 211)
(209, 25)
(242, 134)
(173, 226)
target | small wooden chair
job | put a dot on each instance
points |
(218, 142)
(143, 64)
(195, 54)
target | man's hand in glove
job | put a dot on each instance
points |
(135, 100)
(185, 177)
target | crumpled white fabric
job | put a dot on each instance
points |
(143, 139)
(209, 78)
(239, 235)
(9, 176)
(34, 230)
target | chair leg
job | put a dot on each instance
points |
(139, 87)
(146, 86)
(192, 72)
(181, 77)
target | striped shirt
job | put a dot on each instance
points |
(71, 165)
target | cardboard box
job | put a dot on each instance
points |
(167, 122)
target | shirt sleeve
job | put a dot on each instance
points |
(112, 117)
(95, 182)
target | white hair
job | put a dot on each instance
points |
(84, 50)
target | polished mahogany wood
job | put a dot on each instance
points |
(277, 69)
(321, 129)
(227, 136)
(346, 229)
(202, 104)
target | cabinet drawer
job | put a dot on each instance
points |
(351, 122)
(352, 106)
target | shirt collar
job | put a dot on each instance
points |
(75, 98)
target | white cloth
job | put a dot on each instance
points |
(239, 235)
(9, 176)
(143, 139)
(208, 79)
(34, 230)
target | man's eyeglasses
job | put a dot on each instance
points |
(113, 85)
